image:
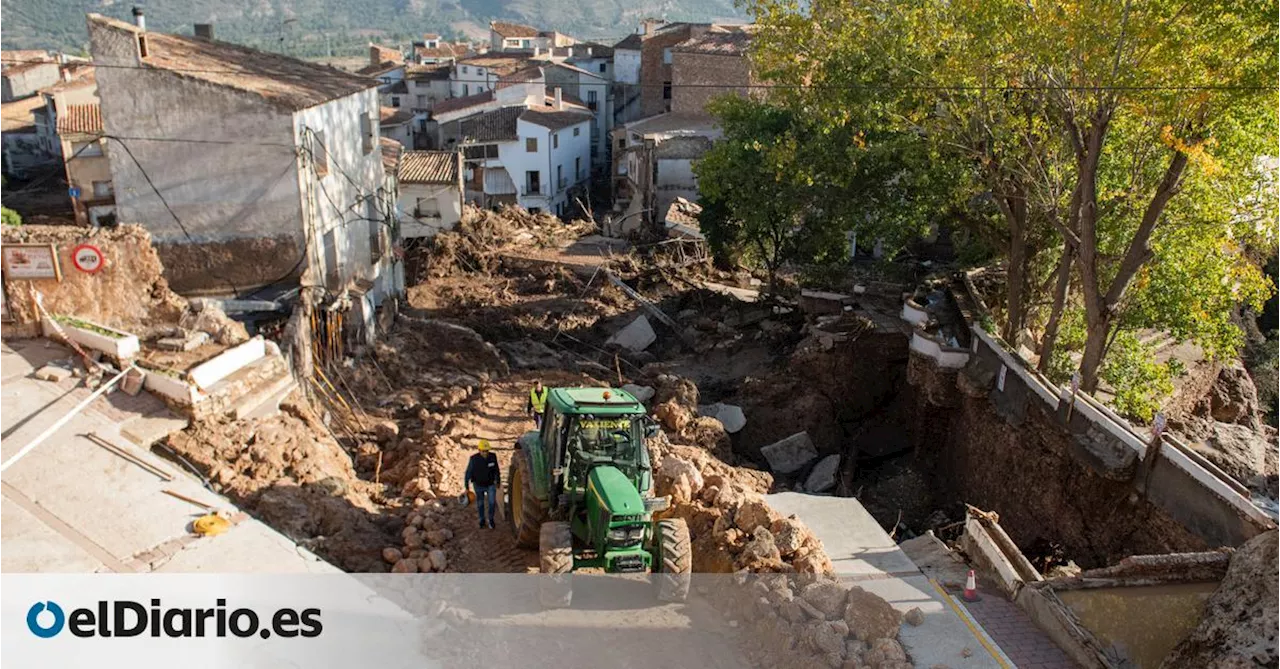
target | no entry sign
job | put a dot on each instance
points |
(88, 258)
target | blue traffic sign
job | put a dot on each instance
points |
(74, 191)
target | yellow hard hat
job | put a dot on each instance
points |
(484, 445)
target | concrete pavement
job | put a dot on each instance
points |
(864, 555)
(70, 505)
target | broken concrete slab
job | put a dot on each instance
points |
(188, 343)
(53, 372)
(641, 393)
(790, 455)
(729, 415)
(530, 354)
(818, 302)
(823, 476)
(635, 337)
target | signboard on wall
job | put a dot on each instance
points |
(31, 261)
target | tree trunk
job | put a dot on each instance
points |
(1014, 207)
(1050, 339)
(1095, 349)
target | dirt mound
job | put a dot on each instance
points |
(290, 471)
(481, 234)
(1240, 619)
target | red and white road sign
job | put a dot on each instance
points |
(88, 258)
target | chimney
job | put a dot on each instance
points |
(204, 31)
(66, 74)
(559, 104)
(375, 55)
(138, 19)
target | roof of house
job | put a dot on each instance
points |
(512, 29)
(389, 116)
(445, 50)
(553, 119)
(81, 119)
(523, 75)
(457, 104)
(17, 116)
(598, 50)
(727, 43)
(633, 42)
(499, 63)
(81, 76)
(391, 151)
(9, 69)
(498, 125)
(575, 68)
(18, 55)
(398, 88)
(430, 36)
(429, 167)
(386, 53)
(381, 68)
(568, 100)
(280, 80)
(435, 72)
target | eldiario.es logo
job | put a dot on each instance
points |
(124, 618)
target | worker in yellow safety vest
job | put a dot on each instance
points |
(537, 403)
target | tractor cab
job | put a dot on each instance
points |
(587, 428)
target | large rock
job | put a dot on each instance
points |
(1239, 451)
(753, 513)
(790, 455)
(641, 393)
(1233, 397)
(729, 415)
(1240, 619)
(673, 416)
(678, 478)
(823, 476)
(870, 617)
(635, 337)
(827, 596)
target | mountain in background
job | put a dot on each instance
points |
(320, 28)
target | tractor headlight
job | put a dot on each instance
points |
(626, 535)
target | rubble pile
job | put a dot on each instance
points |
(424, 536)
(481, 234)
(289, 470)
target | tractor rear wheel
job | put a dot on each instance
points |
(555, 557)
(524, 509)
(674, 560)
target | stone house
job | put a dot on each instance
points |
(252, 171)
(24, 78)
(431, 192)
(711, 65)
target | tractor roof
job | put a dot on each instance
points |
(595, 401)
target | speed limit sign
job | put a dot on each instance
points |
(88, 258)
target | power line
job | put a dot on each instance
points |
(819, 87)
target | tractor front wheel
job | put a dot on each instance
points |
(525, 511)
(674, 560)
(555, 557)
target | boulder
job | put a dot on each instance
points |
(729, 415)
(635, 337)
(761, 553)
(828, 637)
(789, 534)
(673, 416)
(753, 513)
(871, 618)
(391, 555)
(386, 430)
(641, 393)
(1239, 451)
(790, 455)
(915, 617)
(885, 652)
(405, 567)
(1233, 397)
(823, 476)
(826, 596)
(678, 478)
(1238, 628)
(438, 560)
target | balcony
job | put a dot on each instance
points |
(533, 190)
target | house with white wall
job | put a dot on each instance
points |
(430, 192)
(251, 170)
(653, 164)
(594, 92)
(480, 74)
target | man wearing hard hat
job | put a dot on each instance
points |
(484, 473)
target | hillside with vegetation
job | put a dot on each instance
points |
(320, 28)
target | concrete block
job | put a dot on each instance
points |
(823, 476)
(190, 343)
(641, 393)
(790, 455)
(53, 373)
(635, 337)
(729, 415)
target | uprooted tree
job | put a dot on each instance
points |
(1119, 141)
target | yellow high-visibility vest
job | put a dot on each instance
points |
(539, 402)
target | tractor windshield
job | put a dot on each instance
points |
(617, 441)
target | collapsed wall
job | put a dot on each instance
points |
(128, 293)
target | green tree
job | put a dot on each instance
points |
(1116, 139)
(9, 217)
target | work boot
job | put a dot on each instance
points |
(491, 525)
(482, 525)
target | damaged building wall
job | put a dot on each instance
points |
(999, 443)
(233, 186)
(128, 293)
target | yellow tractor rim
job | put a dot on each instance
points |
(517, 499)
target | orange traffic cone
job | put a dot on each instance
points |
(971, 588)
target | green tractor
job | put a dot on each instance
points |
(580, 490)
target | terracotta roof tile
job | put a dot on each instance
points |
(498, 125)
(281, 80)
(731, 43)
(85, 119)
(555, 120)
(632, 42)
(512, 29)
(391, 151)
(389, 116)
(380, 68)
(429, 167)
(457, 104)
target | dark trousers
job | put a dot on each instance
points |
(484, 492)
(537, 420)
